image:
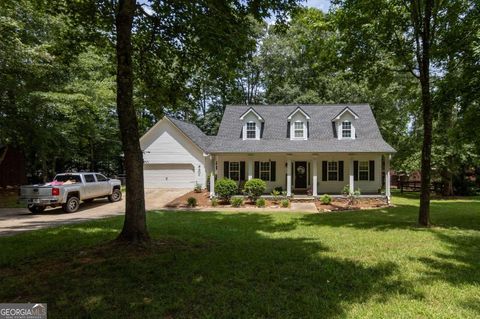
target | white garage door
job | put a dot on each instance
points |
(169, 176)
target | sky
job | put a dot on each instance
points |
(323, 5)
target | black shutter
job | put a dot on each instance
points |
(324, 170)
(355, 170)
(226, 169)
(308, 130)
(288, 129)
(261, 129)
(372, 170)
(340, 170)
(273, 171)
(257, 170)
(242, 171)
(334, 128)
(241, 133)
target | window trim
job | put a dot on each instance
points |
(360, 170)
(295, 130)
(268, 171)
(344, 130)
(329, 170)
(230, 170)
(250, 130)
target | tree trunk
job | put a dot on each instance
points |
(135, 226)
(424, 63)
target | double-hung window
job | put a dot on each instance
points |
(251, 130)
(363, 170)
(347, 129)
(332, 171)
(234, 171)
(298, 129)
(265, 171)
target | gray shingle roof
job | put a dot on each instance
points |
(321, 138)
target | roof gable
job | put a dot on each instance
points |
(298, 109)
(345, 110)
(251, 110)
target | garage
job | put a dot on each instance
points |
(169, 176)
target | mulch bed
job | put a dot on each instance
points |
(337, 204)
(341, 204)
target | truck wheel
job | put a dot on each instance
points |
(36, 209)
(116, 195)
(72, 204)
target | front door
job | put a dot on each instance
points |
(300, 174)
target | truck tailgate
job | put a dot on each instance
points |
(35, 191)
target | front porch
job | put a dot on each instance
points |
(307, 174)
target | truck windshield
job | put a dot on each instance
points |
(68, 178)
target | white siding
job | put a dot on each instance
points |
(166, 144)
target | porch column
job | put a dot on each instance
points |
(314, 180)
(289, 176)
(387, 177)
(250, 169)
(212, 177)
(351, 179)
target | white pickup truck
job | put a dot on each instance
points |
(68, 190)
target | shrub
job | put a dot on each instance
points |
(197, 188)
(260, 202)
(254, 188)
(279, 189)
(325, 199)
(214, 202)
(351, 196)
(192, 202)
(285, 203)
(276, 196)
(237, 201)
(225, 188)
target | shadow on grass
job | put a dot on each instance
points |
(203, 265)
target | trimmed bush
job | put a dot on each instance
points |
(192, 202)
(225, 188)
(285, 203)
(237, 201)
(214, 202)
(325, 199)
(276, 196)
(254, 188)
(260, 202)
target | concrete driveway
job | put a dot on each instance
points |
(15, 220)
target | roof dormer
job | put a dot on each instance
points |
(345, 124)
(252, 125)
(298, 124)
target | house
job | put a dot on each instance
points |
(319, 148)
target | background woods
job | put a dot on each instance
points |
(57, 74)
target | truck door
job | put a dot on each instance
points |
(103, 185)
(90, 187)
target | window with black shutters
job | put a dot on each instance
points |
(332, 171)
(265, 171)
(363, 170)
(234, 171)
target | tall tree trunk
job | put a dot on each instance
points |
(135, 226)
(424, 63)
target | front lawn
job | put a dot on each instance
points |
(375, 264)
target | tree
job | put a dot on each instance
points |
(411, 34)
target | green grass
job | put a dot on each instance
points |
(368, 264)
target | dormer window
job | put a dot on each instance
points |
(298, 130)
(346, 129)
(251, 130)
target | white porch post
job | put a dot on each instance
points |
(212, 177)
(289, 176)
(250, 169)
(314, 180)
(387, 177)
(351, 178)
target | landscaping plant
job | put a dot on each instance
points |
(285, 203)
(276, 195)
(260, 202)
(191, 202)
(214, 202)
(225, 188)
(237, 201)
(325, 199)
(351, 196)
(197, 188)
(254, 188)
